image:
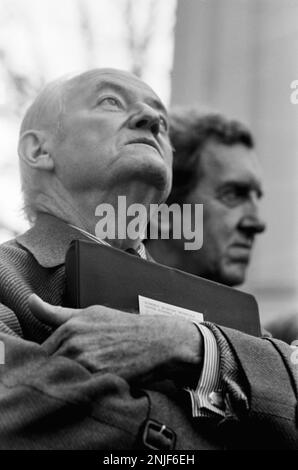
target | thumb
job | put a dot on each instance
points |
(50, 314)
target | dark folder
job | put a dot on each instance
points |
(102, 275)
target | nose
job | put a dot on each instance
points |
(145, 117)
(251, 223)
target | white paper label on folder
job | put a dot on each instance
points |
(149, 306)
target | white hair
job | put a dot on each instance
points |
(45, 113)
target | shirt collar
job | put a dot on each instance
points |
(141, 250)
(49, 239)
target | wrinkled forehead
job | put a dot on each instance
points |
(83, 88)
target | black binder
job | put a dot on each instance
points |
(102, 275)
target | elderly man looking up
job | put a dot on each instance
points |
(86, 378)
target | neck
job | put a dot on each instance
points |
(120, 220)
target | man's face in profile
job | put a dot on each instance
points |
(229, 189)
(114, 131)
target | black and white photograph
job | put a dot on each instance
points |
(148, 228)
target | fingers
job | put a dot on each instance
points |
(50, 314)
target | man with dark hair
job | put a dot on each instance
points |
(215, 165)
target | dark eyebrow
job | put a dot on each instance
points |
(107, 85)
(243, 185)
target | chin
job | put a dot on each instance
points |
(155, 175)
(233, 279)
(148, 166)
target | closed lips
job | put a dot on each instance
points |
(146, 142)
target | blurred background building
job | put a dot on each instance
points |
(238, 56)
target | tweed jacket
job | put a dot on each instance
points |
(52, 402)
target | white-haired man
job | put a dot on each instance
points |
(85, 379)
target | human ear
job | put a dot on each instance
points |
(33, 149)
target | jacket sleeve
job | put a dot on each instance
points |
(261, 386)
(52, 402)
